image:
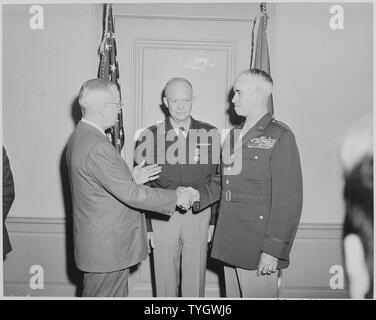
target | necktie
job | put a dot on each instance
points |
(182, 132)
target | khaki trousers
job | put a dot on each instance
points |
(183, 236)
(108, 284)
(242, 283)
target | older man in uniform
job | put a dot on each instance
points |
(182, 239)
(261, 205)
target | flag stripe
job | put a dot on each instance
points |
(109, 70)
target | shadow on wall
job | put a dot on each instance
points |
(74, 275)
(234, 119)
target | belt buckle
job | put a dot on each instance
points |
(228, 195)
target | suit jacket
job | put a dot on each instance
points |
(197, 167)
(108, 233)
(261, 205)
(8, 197)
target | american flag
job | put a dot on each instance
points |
(109, 69)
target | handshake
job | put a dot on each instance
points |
(188, 198)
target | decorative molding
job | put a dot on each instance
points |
(207, 12)
(36, 230)
(142, 44)
(184, 17)
(28, 224)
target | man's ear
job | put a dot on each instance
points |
(165, 101)
(102, 110)
(259, 93)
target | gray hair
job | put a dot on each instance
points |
(262, 77)
(91, 86)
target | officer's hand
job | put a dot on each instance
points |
(210, 233)
(150, 237)
(142, 173)
(267, 265)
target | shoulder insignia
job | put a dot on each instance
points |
(280, 124)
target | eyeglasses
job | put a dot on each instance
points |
(118, 105)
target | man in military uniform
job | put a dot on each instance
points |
(188, 152)
(261, 204)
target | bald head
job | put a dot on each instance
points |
(176, 84)
(95, 92)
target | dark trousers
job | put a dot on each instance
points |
(108, 284)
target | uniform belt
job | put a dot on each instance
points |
(240, 196)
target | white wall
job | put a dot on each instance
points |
(323, 82)
(42, 73)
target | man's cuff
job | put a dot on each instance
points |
(276, 247)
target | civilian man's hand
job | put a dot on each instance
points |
(150, 237)
(267, 265)
(195, 194)
(210, 233)
(142, 173)
(184, 198)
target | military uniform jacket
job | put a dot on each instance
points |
(197, 167)
(109, 234)
(260, 204)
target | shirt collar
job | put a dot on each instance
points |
(260, 123)
(94, 125)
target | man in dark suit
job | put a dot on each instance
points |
(261, 202)
(188, 151)
(109, 234)
(8, 197)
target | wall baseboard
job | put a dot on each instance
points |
(47, 242)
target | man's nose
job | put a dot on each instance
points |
(181, 104)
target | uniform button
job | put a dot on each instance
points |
(229, 168)
(256, 157)
(227, 181)
(261, 217)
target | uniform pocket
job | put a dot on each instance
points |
(255, 212)
(256, 168)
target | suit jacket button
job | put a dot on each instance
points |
(256, 157)
(261, 217)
